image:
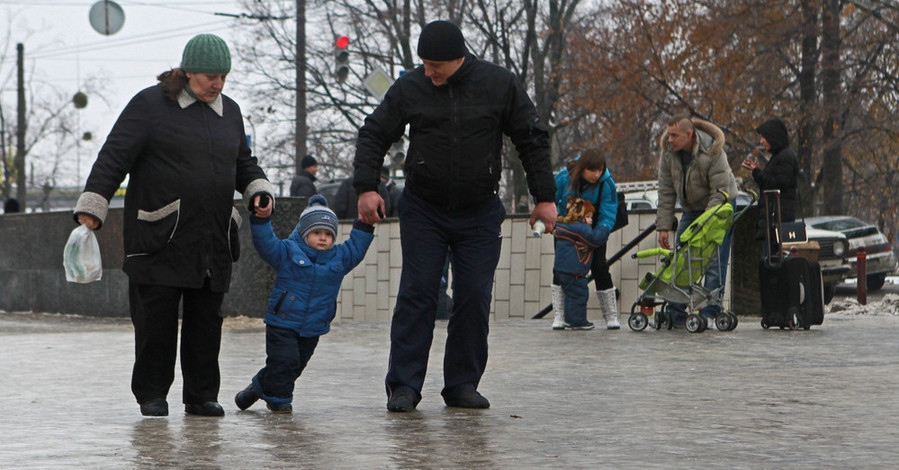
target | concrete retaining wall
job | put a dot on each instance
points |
(32, 276)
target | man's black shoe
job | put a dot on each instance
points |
(209, 408)
(401, 401)
(155, 407)
(466, 398)
(246, 397)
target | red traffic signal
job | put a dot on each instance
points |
(341, 59)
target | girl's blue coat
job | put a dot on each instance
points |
(607, 202)
(304, 298)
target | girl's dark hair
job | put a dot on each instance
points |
(173, 81)
(591, 159)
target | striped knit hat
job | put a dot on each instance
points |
(317, 215)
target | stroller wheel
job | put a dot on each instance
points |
(637, 321)
(694, 323)
(723, 322)
(734, 321)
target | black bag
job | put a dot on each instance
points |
(792, 293)
(792, 233)
(791, 288)
(621, 213)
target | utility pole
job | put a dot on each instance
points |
(301, 86)
(21, 190)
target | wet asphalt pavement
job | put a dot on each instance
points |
(753, 399)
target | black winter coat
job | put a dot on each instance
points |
(303, 185)
(456, 132)
(346, 202)
(782, 172)
(184, 166)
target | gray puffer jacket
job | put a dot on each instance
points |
(697, 185)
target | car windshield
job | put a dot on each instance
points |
(839, 225)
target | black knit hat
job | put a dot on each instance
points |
(308, 161)
(441, 41)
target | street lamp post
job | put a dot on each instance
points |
(21, 190)
(301, 86)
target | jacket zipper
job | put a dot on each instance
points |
(455, 143)
(280, 302)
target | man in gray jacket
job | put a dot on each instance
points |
(693, 168)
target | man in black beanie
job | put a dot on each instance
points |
(457, 107)
(303, 184)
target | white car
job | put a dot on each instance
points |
(881, 260)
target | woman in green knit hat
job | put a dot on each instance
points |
(183, 145)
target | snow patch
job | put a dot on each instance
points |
(888, 306)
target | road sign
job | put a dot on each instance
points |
(377, 83)
(106, 17)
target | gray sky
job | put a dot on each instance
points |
(64, 50)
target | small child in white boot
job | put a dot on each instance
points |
(587, 177)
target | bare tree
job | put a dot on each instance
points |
(527, 37)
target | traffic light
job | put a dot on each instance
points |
(341, 59)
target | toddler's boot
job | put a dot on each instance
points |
(246, 397)
(609, 305)
(558, 308)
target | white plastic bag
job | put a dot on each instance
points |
(81, 256)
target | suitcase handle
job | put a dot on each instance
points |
(771, 199)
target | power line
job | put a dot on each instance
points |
(126, 41)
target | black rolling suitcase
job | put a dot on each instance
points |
(791, 288)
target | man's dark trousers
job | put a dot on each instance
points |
(154, 314)
(426, 232)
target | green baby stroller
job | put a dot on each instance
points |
(680, 277)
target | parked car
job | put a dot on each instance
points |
(881, 260)
(329, 190)
(833, 249)
(649, 200)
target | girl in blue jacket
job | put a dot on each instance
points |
(582, 247)
(303, 302)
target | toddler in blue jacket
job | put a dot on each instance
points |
(575, 246)
(310, 268)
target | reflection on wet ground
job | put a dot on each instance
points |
(824, 398)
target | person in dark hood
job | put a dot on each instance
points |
(457, 107)
(781, 172)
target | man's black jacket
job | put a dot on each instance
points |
(456, 136)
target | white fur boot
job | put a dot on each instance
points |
(609, 305)
(558, 308)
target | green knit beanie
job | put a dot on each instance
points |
(206, 53)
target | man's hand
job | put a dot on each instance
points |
(371, 207)
(545, 211)
(89, 220)
(262, 206)
(663, 240)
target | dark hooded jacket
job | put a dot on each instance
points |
(456, 132)
(781, 172)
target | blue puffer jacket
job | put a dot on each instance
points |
(575, 244)
(606, 204)
(304, 298)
